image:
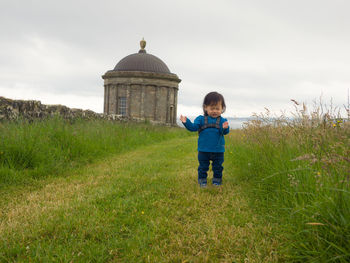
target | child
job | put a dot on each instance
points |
(211, 143)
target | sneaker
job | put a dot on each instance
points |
(203, 185)
(216, 184)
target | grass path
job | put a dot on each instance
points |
(143, 206)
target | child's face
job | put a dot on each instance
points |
(214, 110)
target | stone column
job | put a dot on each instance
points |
(112, 101)
(105, 100)
(107, 104)
(175, 105)
(142, 108)
(156, 102)
(116, 98)
(128, 100)
(167, 119)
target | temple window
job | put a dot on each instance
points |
(122, 106)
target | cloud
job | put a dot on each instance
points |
(256, 53)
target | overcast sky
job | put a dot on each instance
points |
(257, 53)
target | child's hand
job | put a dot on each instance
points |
(183, 118)
(225, 125)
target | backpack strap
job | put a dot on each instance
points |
(209, 125)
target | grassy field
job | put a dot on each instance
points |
(299, 171)
(140, 206)
(104, 192)
(34, 150)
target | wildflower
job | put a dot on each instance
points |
(292, 180)
(142, 212)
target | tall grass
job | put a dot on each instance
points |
(33, 150)
(299, 170)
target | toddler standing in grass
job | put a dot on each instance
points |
(211, 142)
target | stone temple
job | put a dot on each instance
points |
(141, 87)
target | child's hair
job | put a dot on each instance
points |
(213, 98)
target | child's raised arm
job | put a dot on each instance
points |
(226, 128)
(189, 125)
(183, 118)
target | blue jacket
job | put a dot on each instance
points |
(210, 139)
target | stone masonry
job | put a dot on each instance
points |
(142, 87)
(32, 109)
(150, 96)
(11, 110)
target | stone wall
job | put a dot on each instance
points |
(33, 109)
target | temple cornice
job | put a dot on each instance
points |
(141, 74)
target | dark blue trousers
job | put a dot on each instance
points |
(204, 159)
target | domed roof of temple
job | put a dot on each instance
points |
(142, 61)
